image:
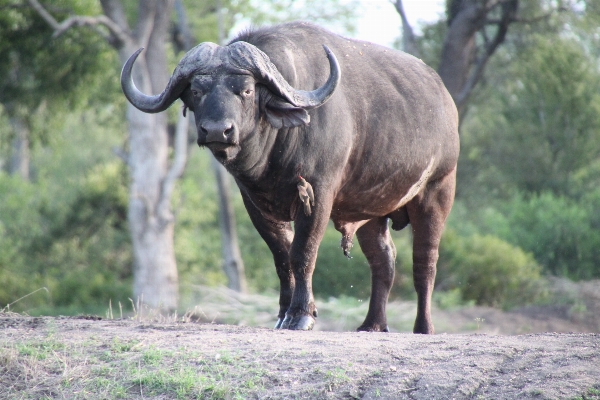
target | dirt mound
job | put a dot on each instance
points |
(93, 359)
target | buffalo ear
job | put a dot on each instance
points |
(188, 100)
(282, 114)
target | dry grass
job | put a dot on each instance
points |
(117, 367)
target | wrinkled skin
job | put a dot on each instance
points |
(383, 146)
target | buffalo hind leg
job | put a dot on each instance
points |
(428, 212)
(377, 245)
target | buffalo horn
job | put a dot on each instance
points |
(242, 55)
(190, 63)
(249, 57)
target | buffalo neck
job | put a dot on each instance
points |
(265, 155)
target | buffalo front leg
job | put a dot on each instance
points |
(427, 213)
(378, 247)
(309, 231)
(278, 237)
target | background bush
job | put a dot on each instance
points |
(488, 271)
(562, 233)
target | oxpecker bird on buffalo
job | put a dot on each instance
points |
(307, 196)
(374, 131)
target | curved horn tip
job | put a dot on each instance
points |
(129, 63)
(135, 55)
(148, 104)
(329, 53)
(318, 97)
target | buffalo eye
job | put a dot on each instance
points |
(195, 93)
(247, 92)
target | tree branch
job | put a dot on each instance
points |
(79, 20)
(177, 167)
(113, 9)
(409, 40)
(529, 20)
(145, 23)
(121, 36)
(183, 36)
(509, 10)
(44, 14)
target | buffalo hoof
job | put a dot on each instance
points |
(298, 323)
(279, 323)
(424, 327)
(373, 328)
(427, 330)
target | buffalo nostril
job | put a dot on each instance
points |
(217, 131)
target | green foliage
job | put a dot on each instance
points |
(67, 230)
(527, 191)
(41, 76)
(337, 276)
(529, 166)
(430, 42)
(544, 117)
(488, 270)
(35, 66)
(337, 15)
(558, 232)
(81, 256)
(18, 225)
(92, 237)
(562, 233)
(203, 17)
(258, 260)
(197, 237)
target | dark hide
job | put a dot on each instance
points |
(384, 146)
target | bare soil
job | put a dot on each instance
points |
(87, 357)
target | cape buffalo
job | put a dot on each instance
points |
(377, 140)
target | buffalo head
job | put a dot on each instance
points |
(229, 89)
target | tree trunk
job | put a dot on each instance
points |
(233, 265)
(409, 41)
(463, 60)
(20, 156)
(150, 218)
(464, 57)
(458, 51)
(155, 269)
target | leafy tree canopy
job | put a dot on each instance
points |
(539, 130)
(35, 66)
